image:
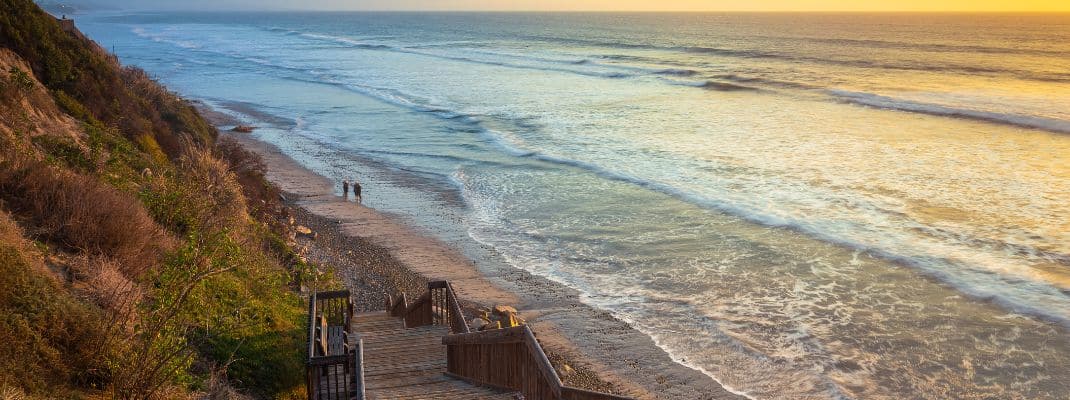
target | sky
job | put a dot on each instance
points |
(606, 5)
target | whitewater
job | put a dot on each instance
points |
(806, 206)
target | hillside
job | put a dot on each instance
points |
(141, 255)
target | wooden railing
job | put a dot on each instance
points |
(501, 358)
(509, 359)
(333, 370)
(439, 306)
(397, 305)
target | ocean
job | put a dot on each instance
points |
(825, 206)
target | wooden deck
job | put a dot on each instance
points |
(410, 363)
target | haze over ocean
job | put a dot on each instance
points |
(799, 205)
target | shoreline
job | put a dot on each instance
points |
(373, 251)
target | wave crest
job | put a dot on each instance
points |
(891, 103)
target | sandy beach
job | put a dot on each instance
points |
(375, 253)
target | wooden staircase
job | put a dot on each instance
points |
(410, 363)
(424, 350)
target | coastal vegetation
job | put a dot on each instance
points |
(141, 254)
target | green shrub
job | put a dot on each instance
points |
(49, 338)
(72, 106)
(20, 79)
(64, 150)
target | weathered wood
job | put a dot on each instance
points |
(458, 323)
(477, 383)
(510, 358)
(409, 363)
(541, 361)
(334, 294)
(419, 312)
(358, 371)
(410, 380)
(397, 309)
(336, 340)
(444, 309)
(329, 360)
(332, 371)
(408, 352)
(321, 337)
(506, 335)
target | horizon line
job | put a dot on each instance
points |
(282, 9)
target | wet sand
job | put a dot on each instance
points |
(375, 253)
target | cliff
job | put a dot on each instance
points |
(140, 255)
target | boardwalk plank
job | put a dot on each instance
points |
(409, 363)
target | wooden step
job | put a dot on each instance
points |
(409, 363)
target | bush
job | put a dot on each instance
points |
(20, 79)
(262, 197)
(49, 338)
(83, 214)
(64, 150)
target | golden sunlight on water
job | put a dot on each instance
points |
(867, 206)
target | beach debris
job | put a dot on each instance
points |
(243, 129)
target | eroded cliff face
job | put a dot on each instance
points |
(28, 109)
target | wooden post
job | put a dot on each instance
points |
(358, 370)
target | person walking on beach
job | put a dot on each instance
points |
(356, 191)
(345, 188)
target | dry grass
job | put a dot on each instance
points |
(29, 109)
(11, 393)
(174, 121)
(101, 280)
(50, 338)
(84, 214)
(219, 388)
(224, 202)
